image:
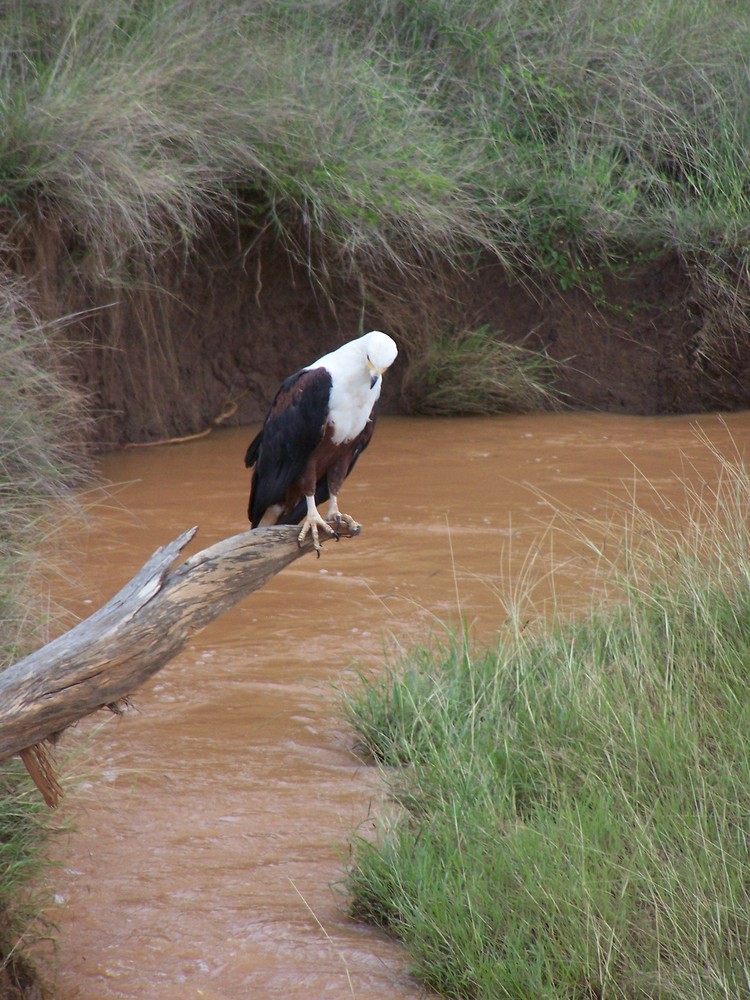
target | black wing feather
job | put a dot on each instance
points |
(292, 430)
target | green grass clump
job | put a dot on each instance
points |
(572, 808)
(24, 832)
(473, 372)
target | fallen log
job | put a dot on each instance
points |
(101, 660)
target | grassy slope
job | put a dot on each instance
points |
(573, 807)
(567, 139)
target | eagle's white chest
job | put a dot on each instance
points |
(349, 405)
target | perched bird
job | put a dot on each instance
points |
(320, 422)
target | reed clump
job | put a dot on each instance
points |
(570, 809)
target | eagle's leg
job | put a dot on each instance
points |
(311, 523)
(334, 516)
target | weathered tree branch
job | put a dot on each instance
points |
(104, 658)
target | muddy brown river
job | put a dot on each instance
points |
(212, 820)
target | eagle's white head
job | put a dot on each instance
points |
(356, 369)
(362, 360)
(380, 351)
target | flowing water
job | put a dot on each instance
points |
(213, 819)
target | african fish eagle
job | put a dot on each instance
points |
(319, 423)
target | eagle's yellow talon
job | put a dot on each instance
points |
(353, 526)
(312, 522)
(334, 516)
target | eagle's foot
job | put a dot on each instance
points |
(310, 526)
(353, 527)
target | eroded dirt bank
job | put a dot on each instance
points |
(240, 313)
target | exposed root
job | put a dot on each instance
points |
(229, 410)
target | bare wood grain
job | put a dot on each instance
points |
(104, 658)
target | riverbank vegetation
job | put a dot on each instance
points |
(570, 142)
(570, 809)
(41, 459)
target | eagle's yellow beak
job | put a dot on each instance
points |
(375, 373)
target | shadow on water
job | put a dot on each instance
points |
(215, 817)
